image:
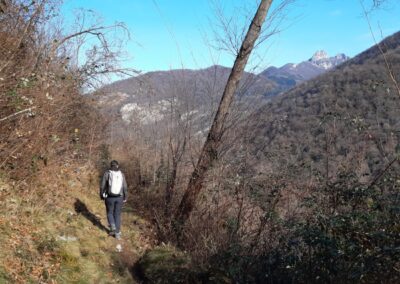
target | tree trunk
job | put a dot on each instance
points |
(170, 187)
(209, 152)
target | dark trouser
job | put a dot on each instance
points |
(113, 207)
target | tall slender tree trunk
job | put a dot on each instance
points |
(209, 152)
(170, 188)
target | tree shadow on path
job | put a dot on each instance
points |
(81, 208)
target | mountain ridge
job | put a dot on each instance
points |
(291, 74)
(207, 83)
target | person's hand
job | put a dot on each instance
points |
(125, 200)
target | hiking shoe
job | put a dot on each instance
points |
(112, 230)
(118, 236)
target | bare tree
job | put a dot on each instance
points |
(210, 149)
(29, 15)
(93, 50)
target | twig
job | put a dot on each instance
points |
(17, 113)
(378, 177)
(91, 144)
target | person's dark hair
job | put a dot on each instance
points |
(114, 165)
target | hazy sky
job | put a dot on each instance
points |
(169, 34)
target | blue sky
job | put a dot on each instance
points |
(170, 34)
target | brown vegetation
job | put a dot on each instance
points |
(305, 189)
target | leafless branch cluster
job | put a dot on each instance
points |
(94, 51)
(229, 31)
(43, 68)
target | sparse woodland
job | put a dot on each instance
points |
(302, 187)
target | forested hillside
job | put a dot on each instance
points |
(343, 121)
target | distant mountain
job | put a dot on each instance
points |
(291, 74)
(159, 83)
(199, 90)
(344, 120)
(147, 95)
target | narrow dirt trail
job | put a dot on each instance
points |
(56, 232)
(137, 233)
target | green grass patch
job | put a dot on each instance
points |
(166, 264)
(4, 277)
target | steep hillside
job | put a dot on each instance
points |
(344, 120)
(158, 82)
(196, 89)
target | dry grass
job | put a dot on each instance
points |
(32, 229)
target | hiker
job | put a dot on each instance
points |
(113, 190)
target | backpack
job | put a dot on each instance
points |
(115, 180)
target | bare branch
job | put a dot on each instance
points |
(17, 113)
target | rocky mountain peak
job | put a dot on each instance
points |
(322, 60)
(341, 56)
(291, 74)
(319, 55)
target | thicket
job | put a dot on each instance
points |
(45, 66)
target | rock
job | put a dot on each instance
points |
(67, 238)
(118, 248)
